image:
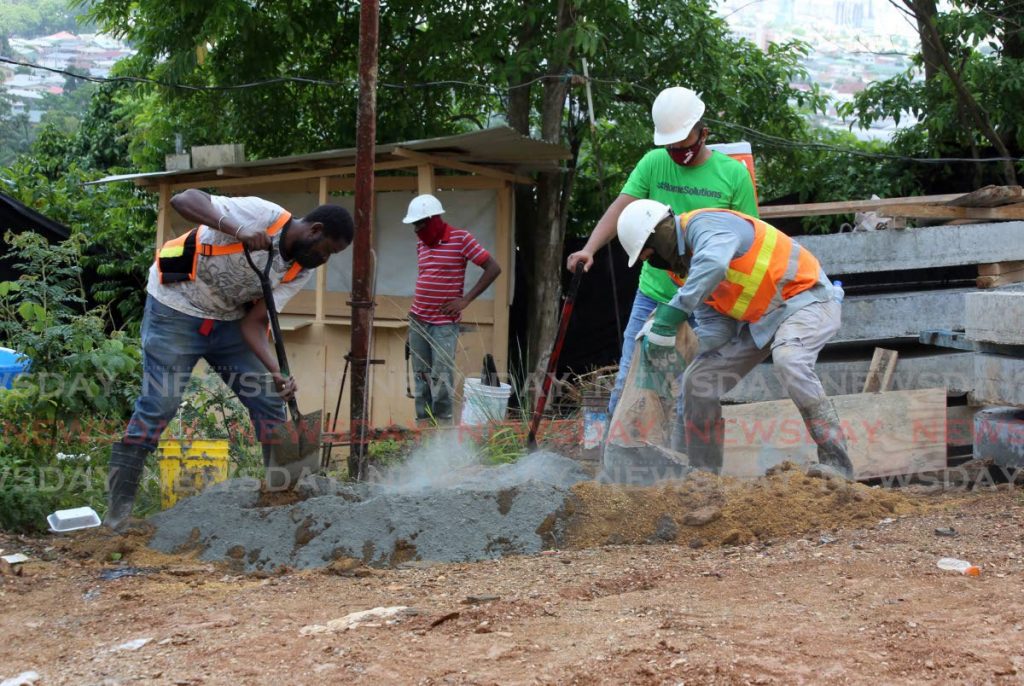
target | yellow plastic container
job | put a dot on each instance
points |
(189, 466)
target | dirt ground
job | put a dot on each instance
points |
(857, 602)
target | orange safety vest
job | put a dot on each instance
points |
(178, 258)
(773, 270)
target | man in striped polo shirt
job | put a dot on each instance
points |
(441, 255)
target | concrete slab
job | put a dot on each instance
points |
(955, 371)
(995, 317)
(901, 315)
(934, 246)
(998, 380)
(999, 436)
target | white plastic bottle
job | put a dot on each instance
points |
(951, 564)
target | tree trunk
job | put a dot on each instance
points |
(924, 12)
(541, 211)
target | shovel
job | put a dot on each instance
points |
(556, 351)
(295, 445)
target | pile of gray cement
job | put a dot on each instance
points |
(439, 506)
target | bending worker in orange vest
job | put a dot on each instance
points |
(754, 292)
(204, 301)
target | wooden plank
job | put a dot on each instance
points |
(891, 433)
(256, 179)
(883, 364)
(163, 216)
(767, 212)
(990, 196)
(444, 162)
(953, 212)
(998, 268)
(503, 255)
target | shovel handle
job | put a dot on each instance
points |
(275, 326)
(556, 351)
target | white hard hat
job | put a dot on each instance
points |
(421, 207)
(675, 111)
(636, 224)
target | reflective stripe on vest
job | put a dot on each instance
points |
(178, 259)
(773, 270)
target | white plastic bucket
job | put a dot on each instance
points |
(482, 404)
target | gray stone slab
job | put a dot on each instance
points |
(934, 246)
(954, 370)
(995, 317)
(998, 380)
(901, 315)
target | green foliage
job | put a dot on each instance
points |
(58, 419)
(986, 49)
(78, 370)
(114, 223)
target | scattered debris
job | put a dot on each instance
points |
(132, 645)
(947, 531)
(480, 599)
(16, 559)
(74, 519)
(951, 564)
(444, 618)
(355, 619)
(121, 572)
(23, 679)
(826, 539)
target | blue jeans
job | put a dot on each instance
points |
(172, 344)
(432, 348)
(642, 308)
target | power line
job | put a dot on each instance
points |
(266, 82)
(766, 139)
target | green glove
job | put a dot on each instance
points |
(659, 361)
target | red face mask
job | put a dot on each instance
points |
(686, 156)
(431, 231)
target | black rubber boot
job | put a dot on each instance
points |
(704, 444)
(823, 424)
(126, 462)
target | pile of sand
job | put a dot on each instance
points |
(710, 510)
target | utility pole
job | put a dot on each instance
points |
(362, 270)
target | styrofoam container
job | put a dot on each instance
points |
(72, 520)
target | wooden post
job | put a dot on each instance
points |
(425, 179)
(163, 217)
(503, 256)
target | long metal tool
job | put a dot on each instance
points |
(556, 351)
(295, 446)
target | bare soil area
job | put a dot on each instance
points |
(767, 594)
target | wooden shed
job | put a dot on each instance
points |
(473, 176)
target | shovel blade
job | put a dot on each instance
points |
(294, 452)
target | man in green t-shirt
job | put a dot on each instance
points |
(684, 174)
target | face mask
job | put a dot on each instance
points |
(658, 262)
(431, 231)
(684, 157)
(666, 250)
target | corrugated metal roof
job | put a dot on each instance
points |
(501, 148)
